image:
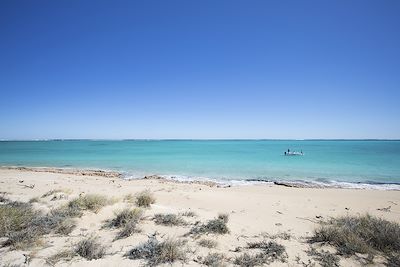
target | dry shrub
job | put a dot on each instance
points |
(208, 243)
(214, 226)
(156, 252)
(249, 260)
(214, 260)
(90, 248)
(64, 255)
(92, 202)
(271, 250)
(123, 217)
(14, 216)
(325, 258)
(168, 219)
(23, 226)
(128, 220)
(145, 199)
(359, 234)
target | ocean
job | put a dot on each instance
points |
(345, 163)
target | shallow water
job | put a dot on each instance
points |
(357, 161)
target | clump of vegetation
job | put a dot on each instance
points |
(393, 259)
(128, 220)
(128, 229)
(17, 224)
(249, 260)
(65, 255)
(92, 202)
(208, 243)
(67, 211)
(23, 226)
(325, 258)
(214, 226)
(188, 213)
(90, 248)
(214, 260)
(271, 250)
(126, 215)
(168, 219)
(14, 216)
(145, 199)
(359, 234)
(156, 252)
(66, 226)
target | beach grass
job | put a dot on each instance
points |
(214, 260)
(158, 252)
(92, 202)
(63, 255)
(168, 219)
(364, 234)
(90, 248)
(214, 226)
(324, 257)
(23, 226)
(208, 243)
(128, 221)
(145, 199)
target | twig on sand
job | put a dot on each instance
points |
(31, 186)
(307, 219)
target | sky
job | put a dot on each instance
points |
(199, 69)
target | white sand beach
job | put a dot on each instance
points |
(256, 212)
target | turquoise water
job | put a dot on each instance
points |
(371, 162)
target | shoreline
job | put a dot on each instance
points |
(210, 181)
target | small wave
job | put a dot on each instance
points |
(320, 183)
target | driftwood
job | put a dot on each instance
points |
(31, 186)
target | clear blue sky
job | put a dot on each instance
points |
(199, 69)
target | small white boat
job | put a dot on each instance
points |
(294, 153)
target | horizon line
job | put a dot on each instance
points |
(199, 139)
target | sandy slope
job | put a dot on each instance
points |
(254, 210)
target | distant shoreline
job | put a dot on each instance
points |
(189, 139)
